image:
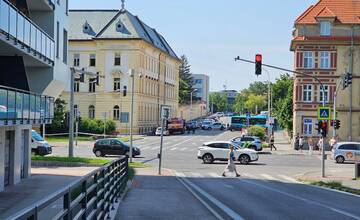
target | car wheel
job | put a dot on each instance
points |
(244, 159)
(208, 158)
(98, 153)
(340, 159)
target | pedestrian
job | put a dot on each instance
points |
(296, 142)
(332, 142)
(311, 145)
(231, 167)
(301, 143)
(272, 141)
(321, 144)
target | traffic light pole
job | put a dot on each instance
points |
(323, 101)
(334, 107)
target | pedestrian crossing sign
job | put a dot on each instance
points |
(324, 113)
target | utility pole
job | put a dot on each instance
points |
(351, 63)
(132, 75)
(71, 114)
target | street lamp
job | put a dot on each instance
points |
(191, 102)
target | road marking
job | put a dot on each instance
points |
(249, 175)
(182, 142)
(228, 186)
(155, 148)
(216, 202)
(144, 148)
(288, 178)
(215, 175)
(268, 177)
(174, 148)
(180, 174)
(196, 175)
(303, 199)
(183, 149)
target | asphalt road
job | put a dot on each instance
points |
(267, 189)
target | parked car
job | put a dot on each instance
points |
(219, 150)
(217, 126)
(205, 125)
(346, 151)
(251, 142)
(38, 145)
(158, 132)
(111, 146)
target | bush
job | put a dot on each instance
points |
(96, 126)
(257, 131)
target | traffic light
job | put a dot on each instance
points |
(125, 91)
(323, 128)
(258, 64)
(337, 124)
(349, 78)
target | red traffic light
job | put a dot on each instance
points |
(258, 58)
(324, 124)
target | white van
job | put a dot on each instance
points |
(38, 145)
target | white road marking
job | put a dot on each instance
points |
(215, 175)
(183, 149)
(292, 180)
(155, 148)
(180, 174)
(183, 141)
(196, 175)
(268, 177)
(303, 199)
(248, 175)
(228, 186)
(144, 148)
(212, 199)
(174, 148)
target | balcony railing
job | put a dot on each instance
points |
(20, 28)
(22, 107)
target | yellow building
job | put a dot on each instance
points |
(326, 44)
(112, 42)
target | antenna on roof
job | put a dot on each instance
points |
(122, 5)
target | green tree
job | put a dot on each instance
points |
(285, 112)
(219, 102)
(281, 88)
(255, 103)
(58, 123)
(258, 88)
(186, 81)
(239, 105)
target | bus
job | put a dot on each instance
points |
(239, 122)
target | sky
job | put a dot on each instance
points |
(212, 33)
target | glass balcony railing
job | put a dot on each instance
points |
(21, 107)
(16, 25)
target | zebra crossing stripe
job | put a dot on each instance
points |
(183, 149)
(174, 148)
(215, 175)
(288, 178)
(268, 177)
(196, 175)
(248, 175)
(180, 174)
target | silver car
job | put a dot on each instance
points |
(346, 151)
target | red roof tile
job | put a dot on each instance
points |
(345, 11)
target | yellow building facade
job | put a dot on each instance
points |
(112, 46)
(326, 44)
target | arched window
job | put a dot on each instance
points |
(116, 112)
(91, 112)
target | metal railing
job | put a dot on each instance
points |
(91, 197)
(23, 107)
(19, 27)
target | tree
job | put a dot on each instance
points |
(255, 103)
(285, 112)
(186, 81)
(58, 123)
(281, 88)
(239, 105)
(219, 102)
(258, 88)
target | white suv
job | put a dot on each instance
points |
(219, 150)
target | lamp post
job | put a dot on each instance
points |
(191, 102)
(132, 75)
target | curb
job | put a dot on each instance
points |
(60, 164)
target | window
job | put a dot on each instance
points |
(307, 93)
(65, 45)
(348, 147)
(124, 117)
(103, 142)
(76, 59)
(308, 60)
(91, 112)
(92, 85)
(117, 60)
(77, 85)
(117, 85)
(326, 94)
(92, 60)
(325, 28)
(57, 39)
(308, 126)
(198, 81)
(324, 60)
(116, 112)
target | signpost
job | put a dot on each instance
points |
(324, 113)
(165, 114)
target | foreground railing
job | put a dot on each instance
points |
(16, 25)
(23, 107)
(91, 197)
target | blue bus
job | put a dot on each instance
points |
(239, 122)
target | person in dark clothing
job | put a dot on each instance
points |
(272, 140)
(296, 142)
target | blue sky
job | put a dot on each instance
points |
(211, 33)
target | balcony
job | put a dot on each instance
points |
(41, 5)
(19, 107)
(22, 34)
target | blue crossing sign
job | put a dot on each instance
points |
(324, 113)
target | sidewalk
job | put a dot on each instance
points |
(42, 183)
(160, 197)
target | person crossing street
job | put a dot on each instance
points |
(231, 167)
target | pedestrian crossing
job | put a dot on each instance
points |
(259, 176)
(170, 149)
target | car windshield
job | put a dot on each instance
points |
(36, 136)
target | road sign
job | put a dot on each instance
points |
(324, 113)
(165, 111)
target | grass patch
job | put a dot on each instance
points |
(265, 145)
(336, 185)
(91, 161)
(52, 139)
(138, 165)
